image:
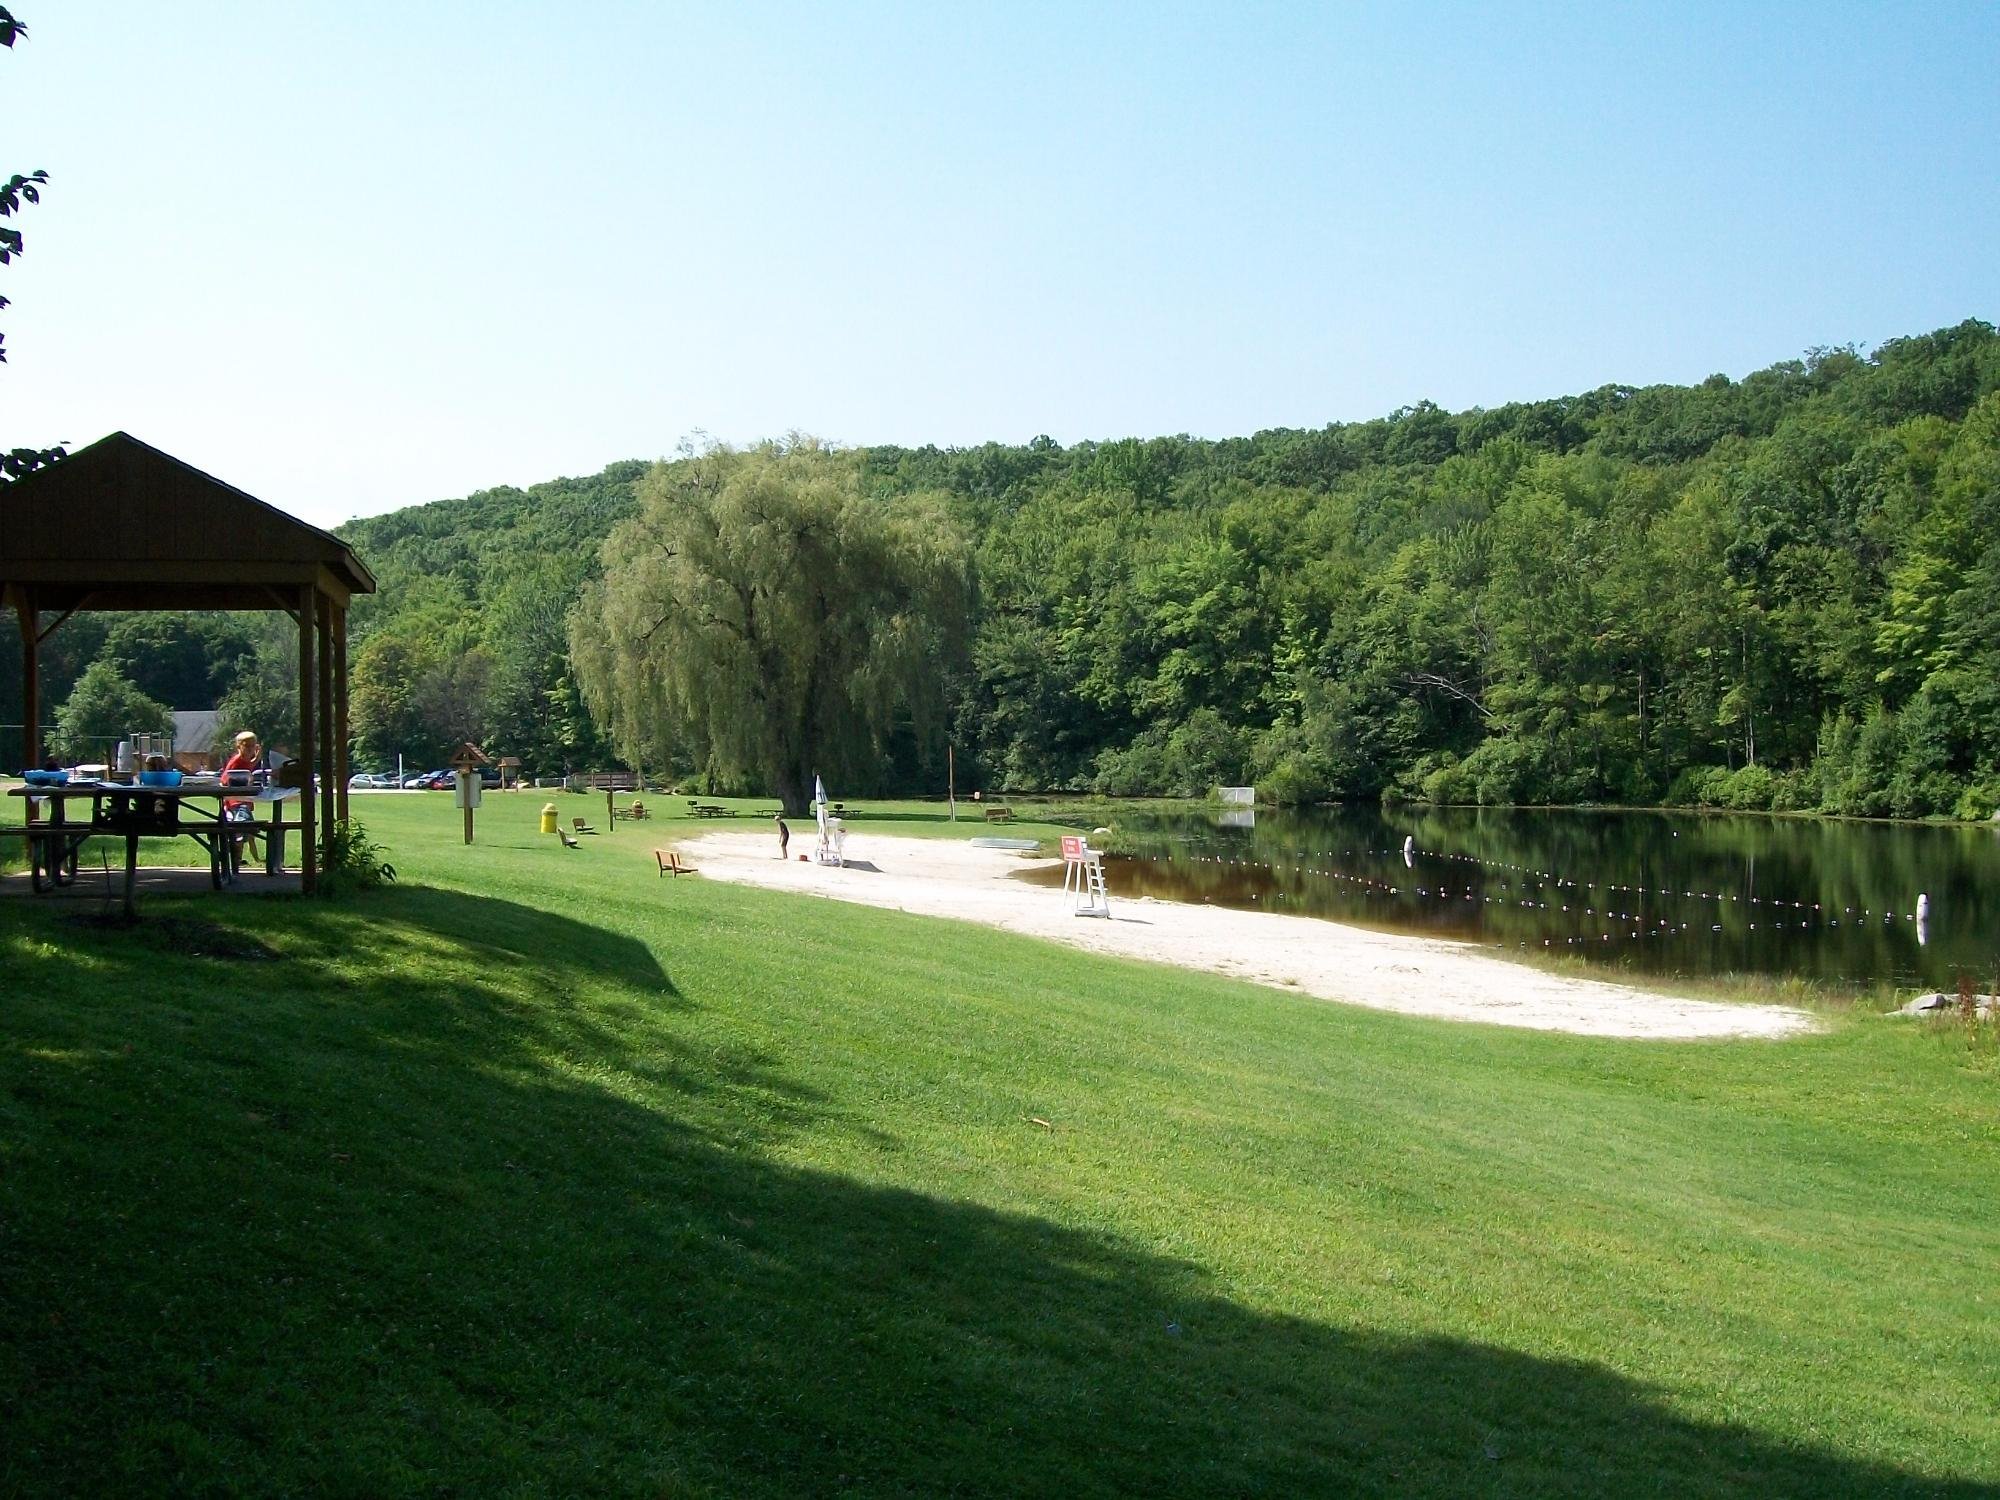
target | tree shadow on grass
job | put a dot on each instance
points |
(440, 1215)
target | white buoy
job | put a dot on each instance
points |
(1923, 907)
(1410, 850)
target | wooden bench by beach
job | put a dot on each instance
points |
(671, 863)
(602, 781)
(999, 814)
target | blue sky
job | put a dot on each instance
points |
(357, 257)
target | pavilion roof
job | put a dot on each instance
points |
(121, 525)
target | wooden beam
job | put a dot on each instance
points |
(91, 572)
(139, 597)
(334, 586)
(58, 620)
(308, 701)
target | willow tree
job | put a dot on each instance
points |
(764, 619)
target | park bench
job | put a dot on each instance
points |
(603, 781)
(671, 863)
(999, 814)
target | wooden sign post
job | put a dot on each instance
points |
(465, 794)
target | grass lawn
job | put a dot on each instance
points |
(537, 1173)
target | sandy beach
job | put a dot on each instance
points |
(1415, 976)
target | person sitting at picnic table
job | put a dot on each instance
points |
(241, 770)
(246, 759)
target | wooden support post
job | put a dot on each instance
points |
(323, 623)
(31, 692)
(308, 747)
(342, 771)
(131, 877)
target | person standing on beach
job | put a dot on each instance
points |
(784, 835)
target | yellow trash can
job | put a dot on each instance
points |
(549, 818)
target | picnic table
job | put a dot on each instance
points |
(709, 809)
(129, 811)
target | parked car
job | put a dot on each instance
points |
(429, 781)
(373, 780)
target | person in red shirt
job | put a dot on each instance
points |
(240, 770)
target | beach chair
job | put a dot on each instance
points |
(671, 863)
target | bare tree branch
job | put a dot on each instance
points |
(1433, 679)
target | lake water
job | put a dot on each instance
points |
(1651, 892)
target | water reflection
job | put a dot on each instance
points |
(1653, 892)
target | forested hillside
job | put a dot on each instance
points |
(1772, 592)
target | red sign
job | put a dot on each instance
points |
(1072, 847)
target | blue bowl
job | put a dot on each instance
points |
(159, 778)
(45, 778)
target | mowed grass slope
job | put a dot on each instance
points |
(538, 1173)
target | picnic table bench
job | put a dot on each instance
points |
(131, 811)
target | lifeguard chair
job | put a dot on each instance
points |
(832, 847)
(1083, 878)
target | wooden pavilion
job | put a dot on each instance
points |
(122, 526)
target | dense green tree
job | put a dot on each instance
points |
(764, 619)
(384, 710)
(453, 701)
(186, 660)
(103, 708)
(263, 693)
(533, 711)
